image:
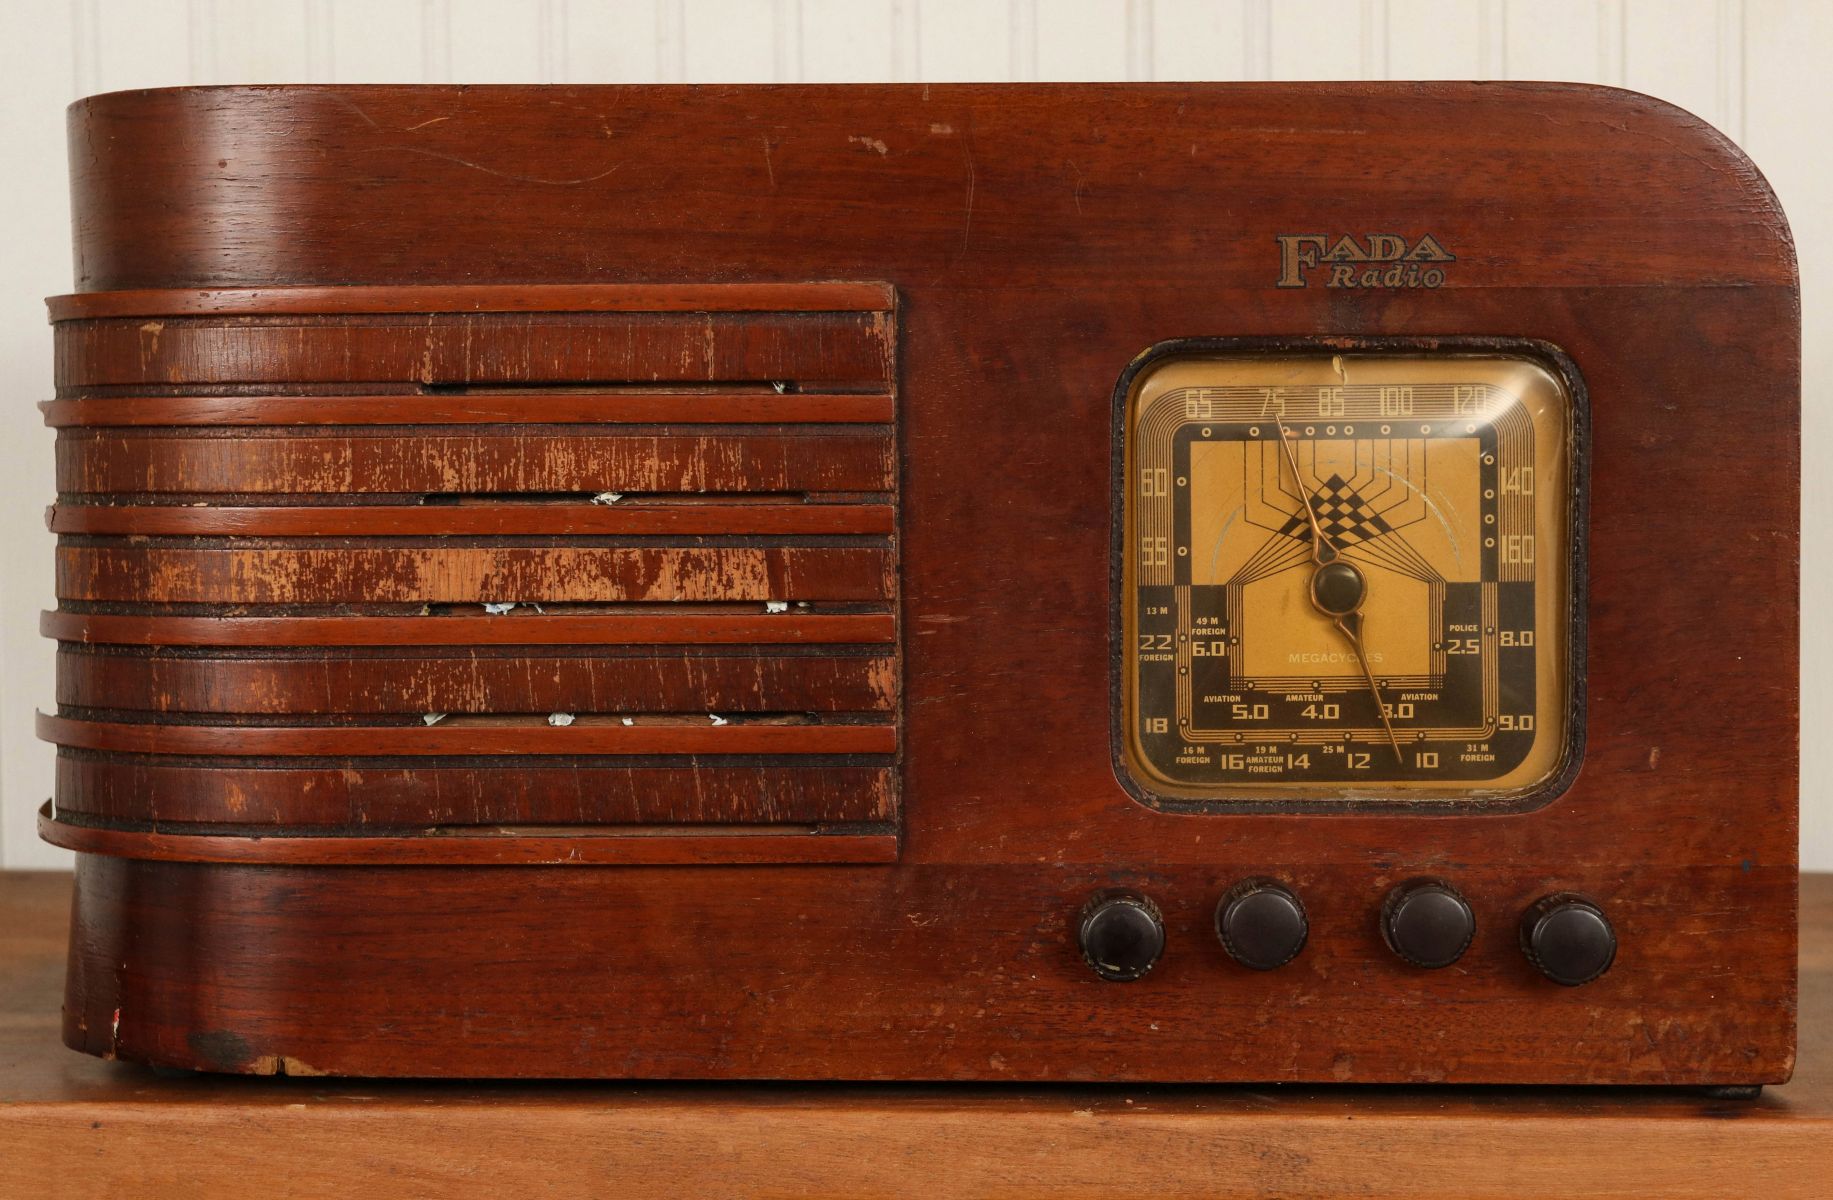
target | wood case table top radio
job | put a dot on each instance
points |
(1185, 583)
(80, 1127)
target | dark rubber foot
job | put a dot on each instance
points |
(1735, 1091)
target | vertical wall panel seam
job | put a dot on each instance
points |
(1613, 42)
(1375, 35)
(1023, 50)
(321, 52)
(788, 49)
(1744, 79)
(444, 32)
(85, 47)
(562, 33)
(671, 41)
(426, 41)
(780, 33)
(1257, 38)
(435, 41)
(1502, 38)
(1731, 69)
(563, 42)
(1139, 47)
(544, 41)
(200, 42)
(1623, 41)
(798, 66)
(1492, 39)
(906, 41)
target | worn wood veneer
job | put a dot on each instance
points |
(345, 363)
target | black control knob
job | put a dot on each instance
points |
(1121, 934)
(1427, 922)
(1568, 938)
(1262, 924)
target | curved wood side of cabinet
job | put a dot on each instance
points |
(309, 536)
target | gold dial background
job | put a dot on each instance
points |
(1231, 480)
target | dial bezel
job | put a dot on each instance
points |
(1295, 798)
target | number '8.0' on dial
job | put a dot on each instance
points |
(1347, 576)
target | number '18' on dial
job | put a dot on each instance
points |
(1347, 576)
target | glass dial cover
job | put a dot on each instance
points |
(1347, 577)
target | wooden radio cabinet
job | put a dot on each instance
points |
(1133, 583)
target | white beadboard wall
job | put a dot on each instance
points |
(1754, 68)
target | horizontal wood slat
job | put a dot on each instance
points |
(450, 739)
(545, 460)
(498, 298)
(441, 574)
(474, 519)
(517, 629)
(529, 349)
(476, 680)
(583, 847)
(474, 408)
(355, 792)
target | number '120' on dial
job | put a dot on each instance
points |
(1348, 576)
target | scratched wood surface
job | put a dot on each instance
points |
(74, 1126)
(642, 452)
(131, 789)
(494, 463)
(476, 680)
(1037, 239)
(478, 349)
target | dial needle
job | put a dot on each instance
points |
(1351, 625)
(1322, 552)
(1338, 590)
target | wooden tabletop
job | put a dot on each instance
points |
(71, 1125)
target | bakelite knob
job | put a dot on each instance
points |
(1568, 937)
(1121, 934)
(1261, 924)
(1427, 923)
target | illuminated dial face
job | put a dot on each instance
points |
(1348, 577)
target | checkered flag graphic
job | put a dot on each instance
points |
(1342, 514)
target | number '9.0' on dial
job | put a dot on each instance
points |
(1347, 576)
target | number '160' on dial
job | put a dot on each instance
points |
(1348, 576)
